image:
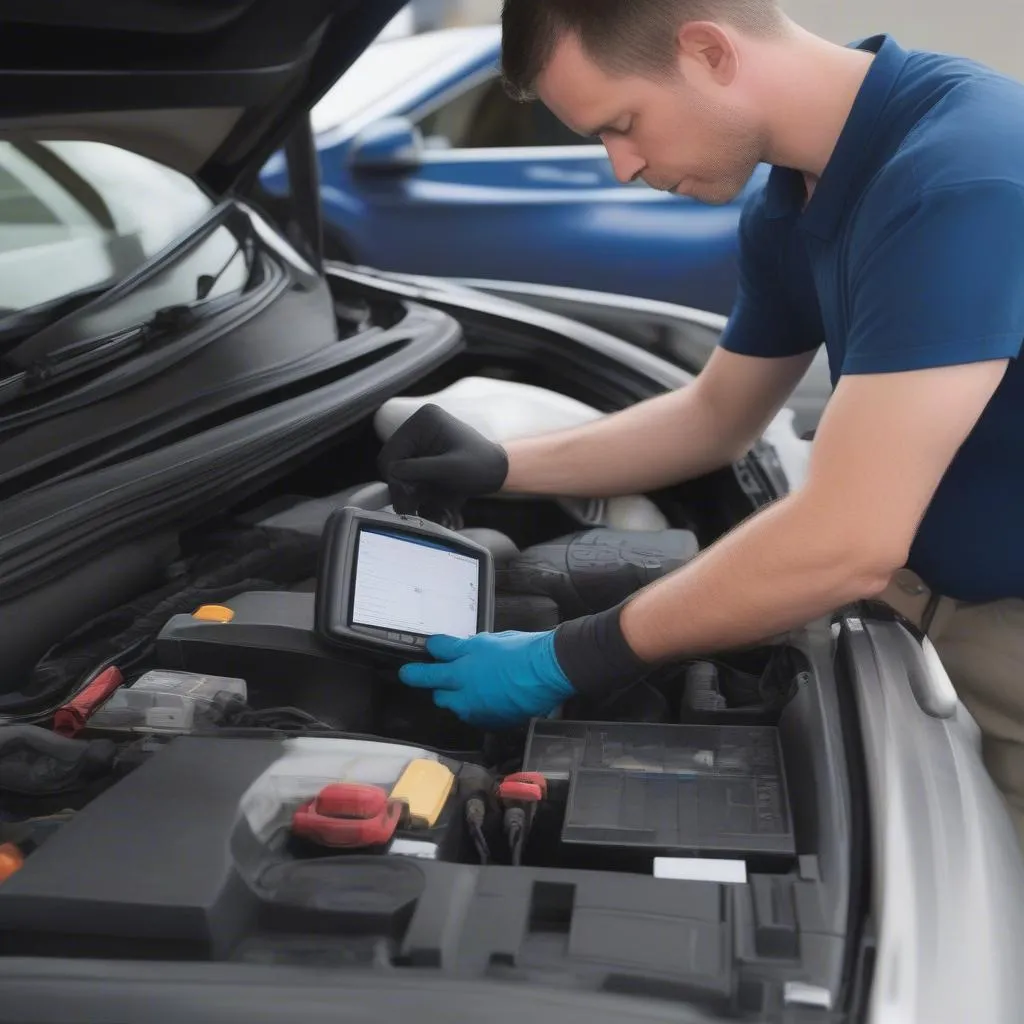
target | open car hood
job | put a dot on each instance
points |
(209, 87)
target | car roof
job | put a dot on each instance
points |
(393, 72)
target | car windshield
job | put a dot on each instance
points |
(76, 216)
(381, 70)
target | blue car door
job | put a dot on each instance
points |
(503, 190)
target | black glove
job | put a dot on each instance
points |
(595, 656)
(436, 461)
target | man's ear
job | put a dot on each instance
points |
(706, 49)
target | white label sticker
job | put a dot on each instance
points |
(414, 848)
(698, 869)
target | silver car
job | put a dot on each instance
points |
(798, 832)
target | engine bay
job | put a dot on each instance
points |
(225, 785)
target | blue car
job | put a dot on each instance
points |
(428, 167)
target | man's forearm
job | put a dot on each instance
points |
(784, 567)
(658, 442)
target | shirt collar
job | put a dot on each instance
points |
(785, 189)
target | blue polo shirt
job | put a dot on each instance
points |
(910, 255)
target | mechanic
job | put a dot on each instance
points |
(891, 230)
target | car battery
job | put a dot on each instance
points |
(633, 792)
(199, 844)
(419, 816)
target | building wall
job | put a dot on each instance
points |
(471, 12)
(991, 31)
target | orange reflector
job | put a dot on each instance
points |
(11, 859)
(213, 613)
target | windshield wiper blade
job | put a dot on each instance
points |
(15, 327)
(25, 335)
(85, 355)
(92, 353)
(32, 367)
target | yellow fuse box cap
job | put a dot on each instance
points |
(424, 787)
(213, 613)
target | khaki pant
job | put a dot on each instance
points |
(982, 648)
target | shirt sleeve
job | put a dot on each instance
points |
(939, 283)
(776, 312)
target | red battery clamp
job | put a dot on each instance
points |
(346, 815)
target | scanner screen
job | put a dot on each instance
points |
(411, 585)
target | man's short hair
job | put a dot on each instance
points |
(622, 36)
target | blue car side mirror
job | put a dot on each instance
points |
(391, 144)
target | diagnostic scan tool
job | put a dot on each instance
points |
(387, 582)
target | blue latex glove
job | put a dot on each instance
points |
(493, 680)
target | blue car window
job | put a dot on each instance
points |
(485, 117)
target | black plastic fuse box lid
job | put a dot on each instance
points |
(669, 789)
(148, 860)
(165, 863)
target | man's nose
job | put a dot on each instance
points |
(627, 166)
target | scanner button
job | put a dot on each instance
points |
(395, 638)
(408, 638)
